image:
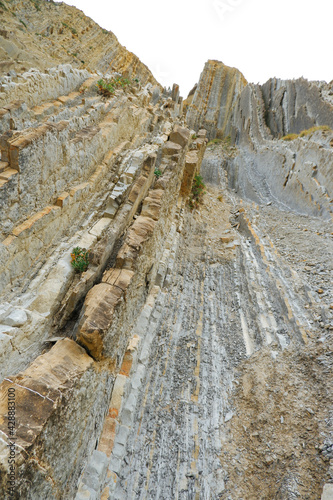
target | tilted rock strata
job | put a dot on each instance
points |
(111, 306)
(44, 34)
(292, 174)
(104, 318)
(295, 105)
(63, 385)
(214, 99)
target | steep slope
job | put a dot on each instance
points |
(192, 358)
(42, 34)
(230, 394)
(214, 98)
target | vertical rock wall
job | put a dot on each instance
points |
(214, 99)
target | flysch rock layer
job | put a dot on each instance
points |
(214, 99)
(76, 170)
(63, 385)
(192, 358)
(43, 34)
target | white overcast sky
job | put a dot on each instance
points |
(262, 38)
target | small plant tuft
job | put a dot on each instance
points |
(108, 87)
(157, 173)
(308, 132)
(198, 190)
(214, 142)
(80, 259)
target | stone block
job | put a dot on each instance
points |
(171, 148)
(39, 393)
(7, 174)
(180, 135)
(100, 226)
(80, 191)
(139, 232)
(152, 204)
(191, 164)
(99, 309)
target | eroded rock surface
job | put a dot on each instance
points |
(192, 359)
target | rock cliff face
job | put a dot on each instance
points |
(295, 174)
(293, 106)
(43, 34)
(215, 96)
(192, 358)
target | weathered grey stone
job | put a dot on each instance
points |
(327, 492)
(16, 318)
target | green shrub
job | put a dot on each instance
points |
(198, 190)
(108, 87)
(80, 259)
(157, 173)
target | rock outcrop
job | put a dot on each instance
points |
(294, 174)
(295, 105)
(79, 169)
(192, 357)
(43, 34)
(214, 98)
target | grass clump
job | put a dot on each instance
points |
(290, 137)
(157, 173)
(198, 190)
(80, 259)
(305, 133)
(214, 141)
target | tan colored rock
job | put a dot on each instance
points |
(39, 392)
(191, 165)
(152, 204)
(212, 104)
(180, 135)
(138, 233)
(99, 308)
(171, 148)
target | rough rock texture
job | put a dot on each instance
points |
(295, 105)
(43, 34)
(192, 359)
(214, 99)
(63, 385)
(229, 393)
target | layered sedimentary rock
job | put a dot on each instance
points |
(214, 99)
(295, 105)
(43, 34)
(78, 170)
(292, 174)
(191, 358)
